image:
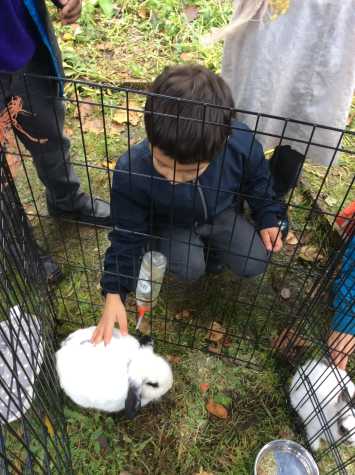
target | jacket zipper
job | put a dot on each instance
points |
(203, 200)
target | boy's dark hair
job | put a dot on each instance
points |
(185, 125)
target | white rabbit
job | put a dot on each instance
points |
(321, 394)
(125, 374)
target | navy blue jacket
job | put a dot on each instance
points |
(142, 200)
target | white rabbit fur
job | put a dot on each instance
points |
(320, 384)
(112, 377)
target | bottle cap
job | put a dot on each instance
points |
(142, 310)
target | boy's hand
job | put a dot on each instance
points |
(114, 312)
(70, 11)
(271, 238)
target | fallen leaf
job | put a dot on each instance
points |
(86, 110)
(217, 410)
(204, 387)
(93, 125)
(310, 253)
(291, 239)
(145, 326)
(103, 443)
(215, 348)
(191, 12)
(289, 337)
(174, 359)
(143, 12)
(187, 57)
(68, 132)
(134, 118)
(120, 117)
(202, 472)
(306, 237)
(68, 37)
(216, 333)
(289, 250)
(76, 29)
(183, 315)
(285, 293)
(48, 426)
(111, 165)
(286, 434)
(107, 46)
(227, 342)
(114, 128)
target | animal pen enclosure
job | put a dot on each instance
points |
(230, 317)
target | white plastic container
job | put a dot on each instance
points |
(284, 457)
(150, 278)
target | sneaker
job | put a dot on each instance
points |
(96, 211)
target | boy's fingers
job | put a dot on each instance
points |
(122, 322)
(266, 240)
(107, 335)
(278, 245)
(97, 335)
(93, 336)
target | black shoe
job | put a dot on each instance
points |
(96, 211)
(285, 167)
(213, 265)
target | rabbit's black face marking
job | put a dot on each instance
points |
(153, 385)
(133, 402)
(146, 340)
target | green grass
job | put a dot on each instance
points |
(120, 48)
(178, 436)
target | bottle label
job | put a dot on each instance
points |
(144, 287)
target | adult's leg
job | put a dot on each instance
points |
(51, 158)
(184, 252)
(237, 244)
(52, 270)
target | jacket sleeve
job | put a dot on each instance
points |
(129, 211)
(258, 188)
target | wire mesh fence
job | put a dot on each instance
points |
(33, 434)
(223, 294)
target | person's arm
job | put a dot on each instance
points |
(259, 191)
(129, 217)
(341, 346)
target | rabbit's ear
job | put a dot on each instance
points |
(133, 401)
(344, 396)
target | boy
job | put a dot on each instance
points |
(182, 185)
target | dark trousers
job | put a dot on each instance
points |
(45, 121)
(231, 240)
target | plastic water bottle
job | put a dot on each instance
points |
(150, 278)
